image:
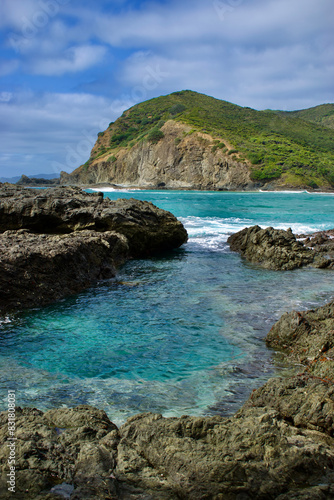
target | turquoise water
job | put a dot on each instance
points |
(178, 334)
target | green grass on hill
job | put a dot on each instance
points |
(276, 143)
(322, 115)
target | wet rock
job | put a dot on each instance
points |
(307, 338)
(67, 209)
(256, 454)
(271, 248)
(37, 269)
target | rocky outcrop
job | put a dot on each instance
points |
(37, 269)
(279, 249)
(182, 159)
(59, 241)
(63, 210)
(37, 181)
(278, 446)
(307, 338)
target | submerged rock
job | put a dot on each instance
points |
(276, 249)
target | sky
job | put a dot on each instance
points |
(70, 67)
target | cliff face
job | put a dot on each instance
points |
(182, 159)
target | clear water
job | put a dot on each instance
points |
(179, 334)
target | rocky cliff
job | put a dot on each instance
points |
(188, 140)
(181, 159)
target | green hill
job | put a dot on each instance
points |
(295, 146)
(322, 115)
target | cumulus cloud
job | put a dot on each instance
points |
(94, 60)
(50, 132)
(72, 60)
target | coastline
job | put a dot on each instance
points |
(279, 444)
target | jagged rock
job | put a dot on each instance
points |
(322, 243)
(303, 400)
(307, 338)
(37, 181)
(63, 210)
(37, 269)
(256, 454)
(271, 248)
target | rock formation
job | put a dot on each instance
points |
(182, 159)
(280, 250)
(59, 241)
(37, 181)
(279, 445)
(37, 269)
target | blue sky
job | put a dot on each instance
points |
(69, 67)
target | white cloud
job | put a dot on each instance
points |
(56, 130)
(72, 60)
(258, 53)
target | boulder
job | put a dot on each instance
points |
(271, 248)
(57, 242)
(64, 210)
(37, 269)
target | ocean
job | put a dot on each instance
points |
(181, 333)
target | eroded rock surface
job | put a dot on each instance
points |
(307, 338)
(278, 249)
(258, 454)
(63, 210)
(37, 269)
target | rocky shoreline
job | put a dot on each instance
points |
(60, 241)
(279, 445)
(278, 249)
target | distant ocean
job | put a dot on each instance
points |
(182, 333)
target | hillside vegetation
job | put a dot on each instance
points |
(295, 146)
(322, 115)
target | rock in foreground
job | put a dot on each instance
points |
(257, 454)
(37, 269)
(64, 210)
(277, 249)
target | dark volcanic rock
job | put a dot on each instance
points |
(63, 210)
(271, 248)
(37, 269)
(37, 181)
(322, 243)
(57, 242)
